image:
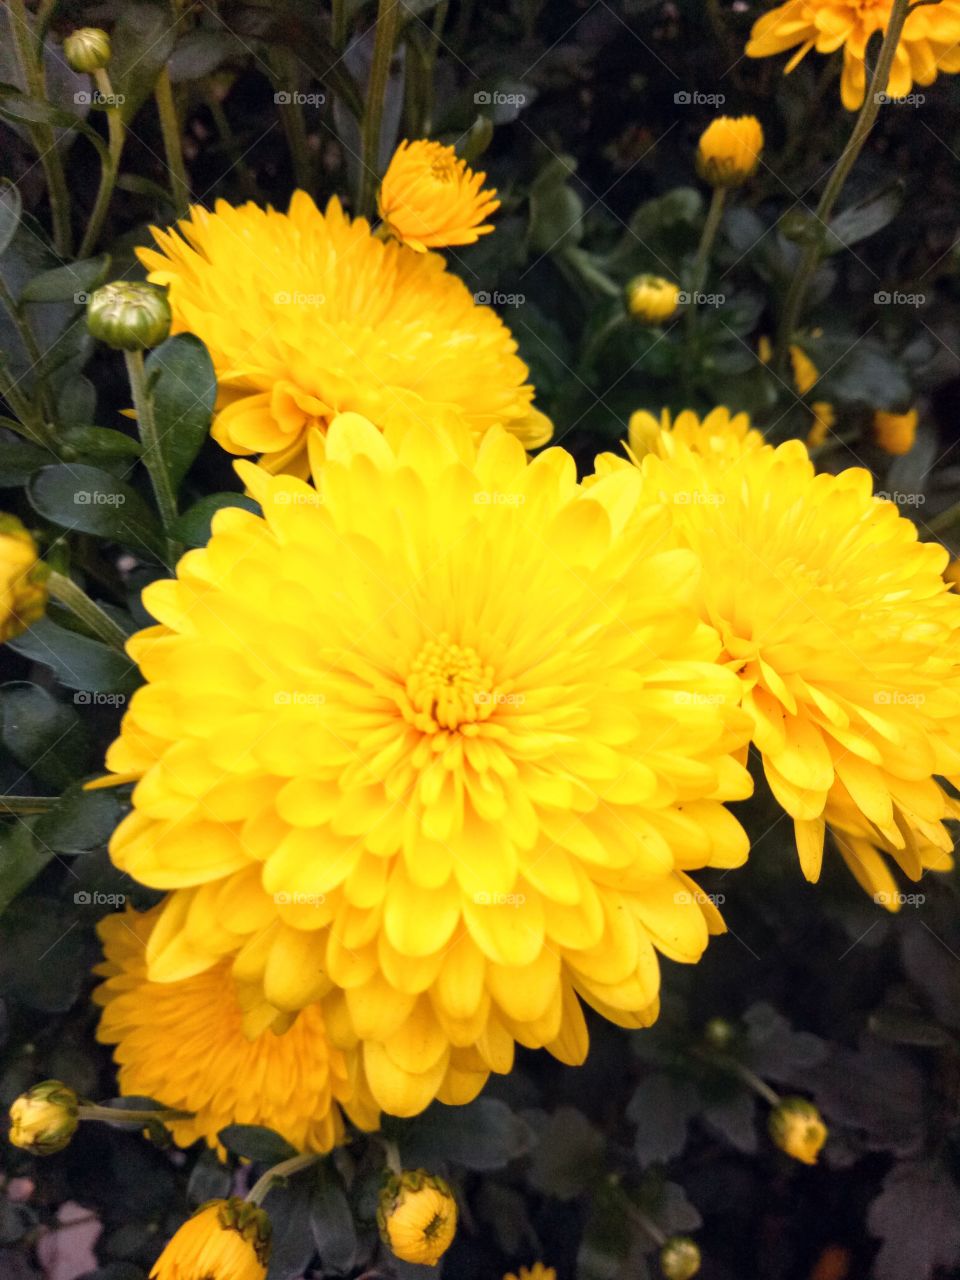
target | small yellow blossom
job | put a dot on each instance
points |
(729, 150)
(797, 1128)
(224, 1240)
(417, 1217)
(896, 432)
(430, 198)
(652, 300)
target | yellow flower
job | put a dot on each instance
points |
(952, 573)
(806, 375)
(824, 418)
(728, 154)
(419, 734)
(307, 315)
(430, 198)
(896, 432)
(417, 1217)
(44, 1119)
(183, 1044)
(930, 42)
(845, 637)
(797, 1128)
(719, 434)
(224, 1240)
(680, 1258)
(537, 1272)
(652, 299)
(23, 591)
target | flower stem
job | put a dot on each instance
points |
(114, 1115)
(30, 63)
(285, 1169)
(810, 260)
(702, 260)
(109, 169)
(283, 67)
(35, 356)
(152, 456)
(387, 25)
(170, 130)
(26, 806)
(749, 1078)
(96, 620)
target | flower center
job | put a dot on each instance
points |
(449, 685)
(444, 169)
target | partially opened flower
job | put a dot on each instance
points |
(308, 314)
(183, 1044)
(929, 44)
(224, 1240)
(430, 198)
(729, 150)
(417, 1217)
(418, 733)
(845, 636)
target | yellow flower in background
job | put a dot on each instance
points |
(183, 1044)
(806, 375)
(952, 573)
(537, 1272)
(680, 1258)
(896, 432)
(420, 735)
(23, 591)
(797, 1128)
(729, 151)
(719, 434)
(652, 300)
(930, 42)
(845, 636)
(307, 315)
(224, 1240)
(417, 1217)
(45, 1118)
(430, 198)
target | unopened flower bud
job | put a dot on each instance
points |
(417, 1217)
(87, 49)
(797, 1128)
(129, 316)
(680, 1258)
(44, 1119)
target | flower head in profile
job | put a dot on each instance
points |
(224, 1240)
(416, 734)
(430, 198)
(796, 1127)
(929, 44)
(729, 151)
(417, 1217)
(845, 636)
(308, 314)
(23, 579)
(652, 299)
(183, 1044)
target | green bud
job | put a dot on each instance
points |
(87, 49)
(44, 1119)
(129, 316)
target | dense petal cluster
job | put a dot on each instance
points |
(416, 741)
(417, 1217)
(430, 198)
(307, 314)
(183, 1044)
(930, 42)
(720, 434)
(846, 638)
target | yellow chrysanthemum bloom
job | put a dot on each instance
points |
(720, 434)
(417, 1217)
(537, 1272)
(224, 1240)
(652, 299)
(23, 591)
(930, 42)
(729, 151)
(45, 1118)
(797, 1128)
(307, 315)
(430, 198)
(896, 432)
(183, 1043)
(417, 734)
(845, 636)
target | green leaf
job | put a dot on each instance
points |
(861, 372)
(210, 1179)
(556, 211)
(484, 1134)
(19, 460)
(292, 1244)
(332, 1224)
(82, 820)
(568, 1156)
(69, 283)
(607, 1241)
(21, 860)
(80, 663)
(863, 220)
(101, 442)
(10, 210)
(43, 955)
(478, 138)
(199, 52)
(661, 1108)
(917, 1216)
(42, 735)
(93, 501)
(254, 1142)
(22, 109)
(183, 384)
(142, 40)
(193, 527)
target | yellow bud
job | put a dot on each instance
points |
(824, 416)
(797, 1128)
(729, 150)
(652, 300)
(417, 1217)
(87, 49)
(129, 316)
(23, 577)
(895, 432)
(224, 1240)
(680, 1258)
(44, 1119)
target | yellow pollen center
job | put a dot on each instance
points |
(449, 685)
(443, 170)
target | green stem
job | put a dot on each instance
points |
(30, 63)
(391, 1156)
(34, 354)
(170, 130)
(387, 25)
(32, 426)
(749, 1078)
(283, 66)
(285, 1169)
(120, 1115)
(231, 145)
(338, 28)
(810, 260)
(152, 455)
(26, 806)
(109, 169)
(617, 321)
(702, 261)
(96, 620)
